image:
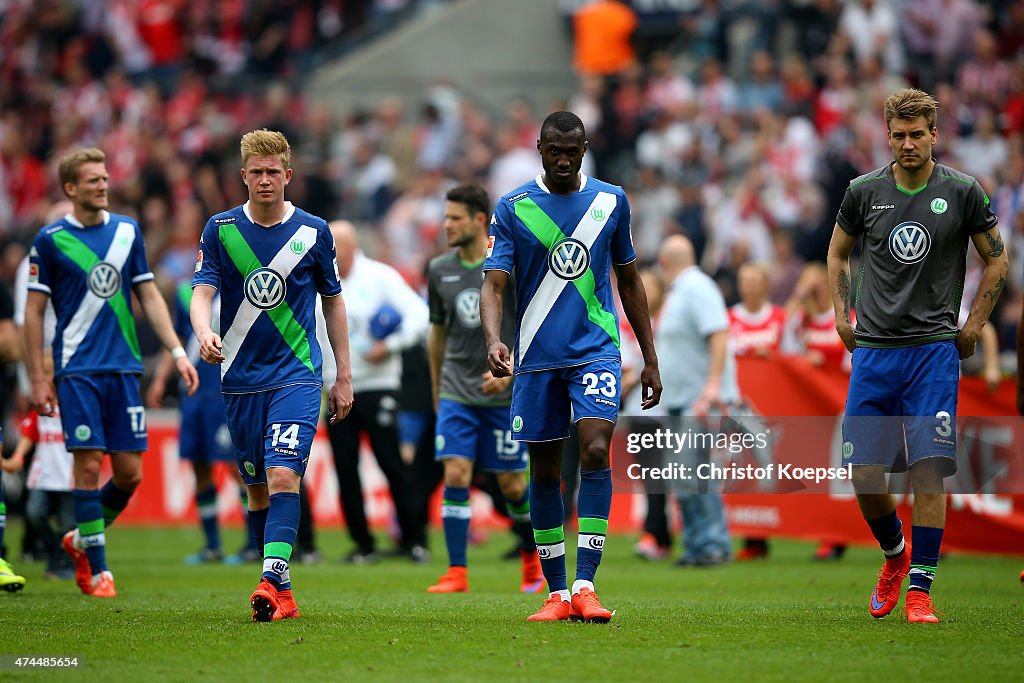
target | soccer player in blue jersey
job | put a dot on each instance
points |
(269, 260)
(560, 234)
(204, 437)
(916, 216)
(88, 264)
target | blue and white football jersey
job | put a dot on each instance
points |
(268, 280)
(209, 374)
(561, 249)
(88, 272)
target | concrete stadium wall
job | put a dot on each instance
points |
(491, 50)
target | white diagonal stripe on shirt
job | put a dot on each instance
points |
(85, 316)
(551, 286)
(283, 263)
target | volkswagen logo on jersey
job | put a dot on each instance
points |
(467, 307)
(104, 280)
(909, 242)
(265, 288)
(569, 258)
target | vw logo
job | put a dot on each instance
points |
(265, 288)
(909, 242)
(569, 259)
(467, 307)
(104, 280)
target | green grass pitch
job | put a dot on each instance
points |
(784, 619)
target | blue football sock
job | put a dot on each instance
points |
(206, 501)
(282, 525)
(546, 515)
(519, 511)
(89, 516)
(924, 557)
(257, 528)
(888, 531)
(114, 500)
(455, 516)
(595, 501)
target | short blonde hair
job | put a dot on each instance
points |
(266, 143)
(71, 163)
(909, 103)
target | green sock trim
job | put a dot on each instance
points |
(924, 566)
(593, 525)
(520, 509)
(91, 528)
(549, 536)
(463, 503)
(110, 514)
(3, 508)
(278, 549)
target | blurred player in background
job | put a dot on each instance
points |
(10, 347)
(560, 234)
(269, 260)
(203, 438)
(916, 217)
(89, 263)
(472, 405)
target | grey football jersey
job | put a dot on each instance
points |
(453, 292)
(913, 255)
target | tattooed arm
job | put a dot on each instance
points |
(839, 250)
(990, 246)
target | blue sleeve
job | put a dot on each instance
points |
(182, 324)
(712, 315)
(500, 247)
(140, 266)
(40, 260)
(208, 259)
(328, 282)
(622, 239)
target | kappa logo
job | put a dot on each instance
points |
(882, 207)
(445, 279)
(909, 242)
(104, 280)
(516, 198)
(467, 307)
(265, 288)
(569, 259)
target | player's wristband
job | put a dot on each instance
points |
(177, 353)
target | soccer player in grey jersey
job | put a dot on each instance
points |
(916, 217)
(472, 406)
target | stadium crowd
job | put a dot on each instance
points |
(740, 130)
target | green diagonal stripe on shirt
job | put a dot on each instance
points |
(245, 261)
(85, 258)
(548, 233)
(185, 294)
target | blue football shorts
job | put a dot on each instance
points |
(480, 434)
(901, 406)
(204, 436)
(543, 402)
(273, 428)
(102, 411)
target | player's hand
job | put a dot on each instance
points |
(967, 342)
(499, 361)
(210, 346)
(155, 393)
(845, 331)
(494, 385)
(44, 398)
(378, 353)
(993, 376)
(188, 373)
(650, 386)
(339, 400)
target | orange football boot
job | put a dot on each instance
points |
(455, 581)
(286, 607)
(890, 581)
(104, 587)
(553, 609)
(83, 573)
(919, 608)
(264, 601)
(586, 607)
(533, 576)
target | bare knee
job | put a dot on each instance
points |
(282, 480)
(513, 485)
(594, 454)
